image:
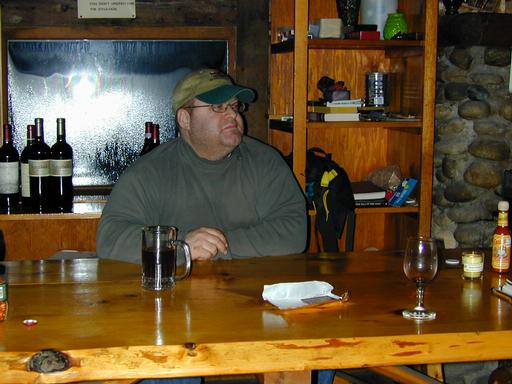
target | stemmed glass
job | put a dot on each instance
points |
(420, 266)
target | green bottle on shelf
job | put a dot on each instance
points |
(395, 24)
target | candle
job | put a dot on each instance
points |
(473, 264)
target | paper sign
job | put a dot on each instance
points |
(106, 9)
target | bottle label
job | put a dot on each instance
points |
(9, 177)
(39, 168)
(25, 180)
(503, 218)
(61, 168)
(501, 252)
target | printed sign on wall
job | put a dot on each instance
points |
(106, 9)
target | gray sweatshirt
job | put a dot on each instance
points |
(251, 195)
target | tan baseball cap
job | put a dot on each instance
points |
(210, 86)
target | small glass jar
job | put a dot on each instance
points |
(472, 264)
(395, 24)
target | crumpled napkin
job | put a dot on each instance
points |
(296, 295)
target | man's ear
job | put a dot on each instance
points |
(183, 118)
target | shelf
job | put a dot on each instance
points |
(280, 125)
(365, 124)
(379, 210)
(385, 210)
(363, 44)
(361, 147)
(81, 210)
(288, 45)
(287, 126)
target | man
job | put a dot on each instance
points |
(229, 195)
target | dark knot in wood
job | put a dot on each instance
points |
(48, 360)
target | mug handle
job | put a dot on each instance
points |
(188, 259)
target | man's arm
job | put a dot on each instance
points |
(282, 228)
(119, 234)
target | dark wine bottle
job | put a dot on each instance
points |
(39, 170)
(9, 172)
(25, 179)
(61, 171)
(148, 138)
(156, 136)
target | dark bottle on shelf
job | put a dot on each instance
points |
(156, 135)
(61, 171)
(9, 172)
(25, 179)
(148, 138)
(39, 170)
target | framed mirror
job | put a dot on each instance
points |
(106, 83)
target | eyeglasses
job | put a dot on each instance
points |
(236, 106)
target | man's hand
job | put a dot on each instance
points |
(205, 243)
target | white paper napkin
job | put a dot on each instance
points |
(293, 295)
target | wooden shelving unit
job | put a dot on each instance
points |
(359, 147)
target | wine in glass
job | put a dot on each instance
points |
(420, 266)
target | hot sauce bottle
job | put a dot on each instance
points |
(3, 293)
(501, 241)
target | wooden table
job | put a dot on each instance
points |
(216, 323)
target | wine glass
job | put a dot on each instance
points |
(420, 266)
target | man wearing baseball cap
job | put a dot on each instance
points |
(229, 195)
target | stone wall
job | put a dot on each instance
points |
(473, 142)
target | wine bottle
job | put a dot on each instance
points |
(25, 180)
(39, 170)
(156, 136)
(148, 138)
(61, 171)
(9, 172)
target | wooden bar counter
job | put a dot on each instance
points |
(31, 236)
(216, 323)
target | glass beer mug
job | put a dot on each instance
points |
(159, 257)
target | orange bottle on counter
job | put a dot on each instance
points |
(501, 241)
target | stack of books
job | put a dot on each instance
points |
(339, 110)
(368, 194)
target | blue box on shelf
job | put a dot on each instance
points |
(402, 192)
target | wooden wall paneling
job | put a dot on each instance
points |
(300, 92)
(252, 26)
(414, 12)
(403, 148)
(322, 9)
(384, 231)
(40, 237)
(280, 84)
(429, 82)
(280, 140)
(280, 16)
(412, 89)
(358, 150)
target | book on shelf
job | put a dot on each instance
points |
(372, 202)
(339, 109)
(317, 116)
(349, 102)
(366, 190)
